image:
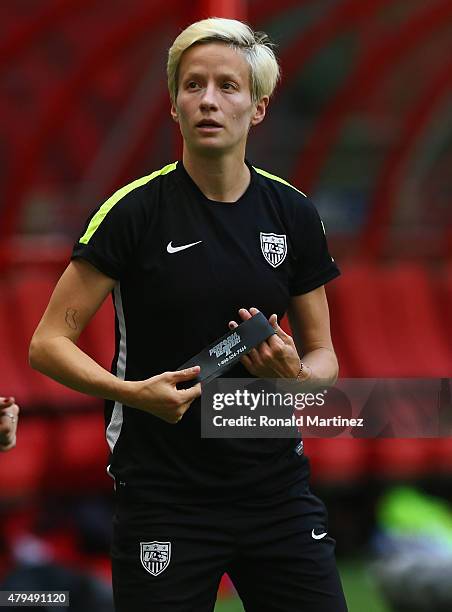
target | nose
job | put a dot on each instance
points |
(209, 99)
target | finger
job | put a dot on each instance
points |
(188, 395)
(273, 320)
(247, 363)
(9, 408)
(172, 419)
(244, 314)
(10, 411)
(179, 415)
(9, 419)
(232, 325)
(267, 352)
(253, 355)
(254, 311)
(187, 374)
(183, 409)
(263, 349)
(256, 358)
(259, 353)
(275, 343)
(175, 417)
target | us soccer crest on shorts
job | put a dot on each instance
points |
(274, 248)
(155, 556)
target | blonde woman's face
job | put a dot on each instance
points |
(213, 105)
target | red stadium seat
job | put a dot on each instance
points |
(13, 376)
(360, 314)
(402, 458)
(337, 459)
(23, 470)
(413, 328)
(389, 322)
(338, 333)
(81, 454)
(345, 365)
(443, 303)
(29, 294)
(442, 455)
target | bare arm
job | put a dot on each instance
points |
(53, 350)
(310, 323)
(280, 355)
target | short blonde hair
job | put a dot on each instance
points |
(256, 48)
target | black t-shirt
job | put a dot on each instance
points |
(184, 265)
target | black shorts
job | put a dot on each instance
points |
(278, 554)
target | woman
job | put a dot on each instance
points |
(183, 250)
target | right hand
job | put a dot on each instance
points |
(9, 415)
(160, 396)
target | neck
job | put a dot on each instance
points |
(223, 178)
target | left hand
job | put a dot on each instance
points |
(9, 414)
(276, 357)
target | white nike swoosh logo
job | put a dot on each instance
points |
(319, 536)
(173, 249)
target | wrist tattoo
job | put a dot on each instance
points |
(70, 318)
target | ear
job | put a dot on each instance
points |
(261, 108)
(174, 114)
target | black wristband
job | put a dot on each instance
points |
(227, 350)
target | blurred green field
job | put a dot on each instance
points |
(360, 592)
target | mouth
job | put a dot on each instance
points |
(209, 124)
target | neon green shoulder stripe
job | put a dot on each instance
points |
(118, 195)
(277, 178)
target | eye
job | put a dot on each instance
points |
(192, 85)
(229, 86)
